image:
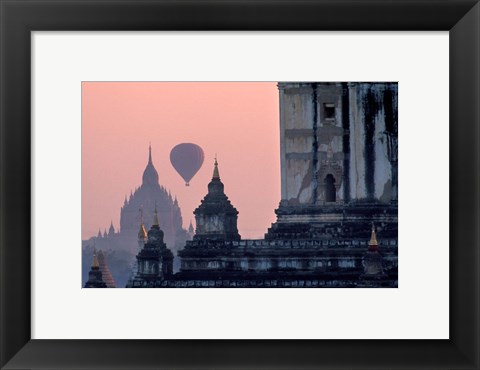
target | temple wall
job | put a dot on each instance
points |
(297, 115)
(371, 168)
(257, 256)
(213, 224)
(337, 129)
(357, 134)
(332, 282)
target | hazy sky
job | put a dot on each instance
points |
(237, 120)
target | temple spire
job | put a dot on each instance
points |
(216, 174)
(107, 277)
(150, 174)
(95, 263)
(155, 217)
(111, 229)
(142, 233)
(95, 274)
(215, 217)
(373, 244)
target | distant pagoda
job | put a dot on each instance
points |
(373, 270)
(106, 274)
(148, 197)
(216, 218)
(95, 275)
(154, 261)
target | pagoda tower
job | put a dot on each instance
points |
(191, 231)
(373, 272)
(141, 240)
(142, 234)
(216, 218)
(106, 274)
(154, 261)
(95, 275)
(147, 197)
(372, 262)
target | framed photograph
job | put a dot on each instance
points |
(214, 155)
(305, 173)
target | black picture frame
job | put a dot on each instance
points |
(19, 17)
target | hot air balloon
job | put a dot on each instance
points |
(187, 158)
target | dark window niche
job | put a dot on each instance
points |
(329, 111)
(330, 191)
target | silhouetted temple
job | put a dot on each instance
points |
(95, 275)
(338, 153)
(337, 221)
(322, 262)
(339, 164)
(154, 261)
(143, 201)
(106, 274)
(216, 218)
(151, 196)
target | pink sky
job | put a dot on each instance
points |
(237, 120)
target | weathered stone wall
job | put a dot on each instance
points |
(279, 257)
(332, 282)
(337, 221)
(343, 130)
(373, 123)
(296, 119)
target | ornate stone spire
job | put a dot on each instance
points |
(216, 174)
(150, 175)
(111, 230)
(106, 274)
(155, 217)
(373, 244)
(142, 233)
(95, 275)
(216, 217)
(154, 261)
(95, 259)
(372, 263)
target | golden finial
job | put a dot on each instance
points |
(155, 216)
(216, 175)
(142, 233)
(373, 244)
(95, 263)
